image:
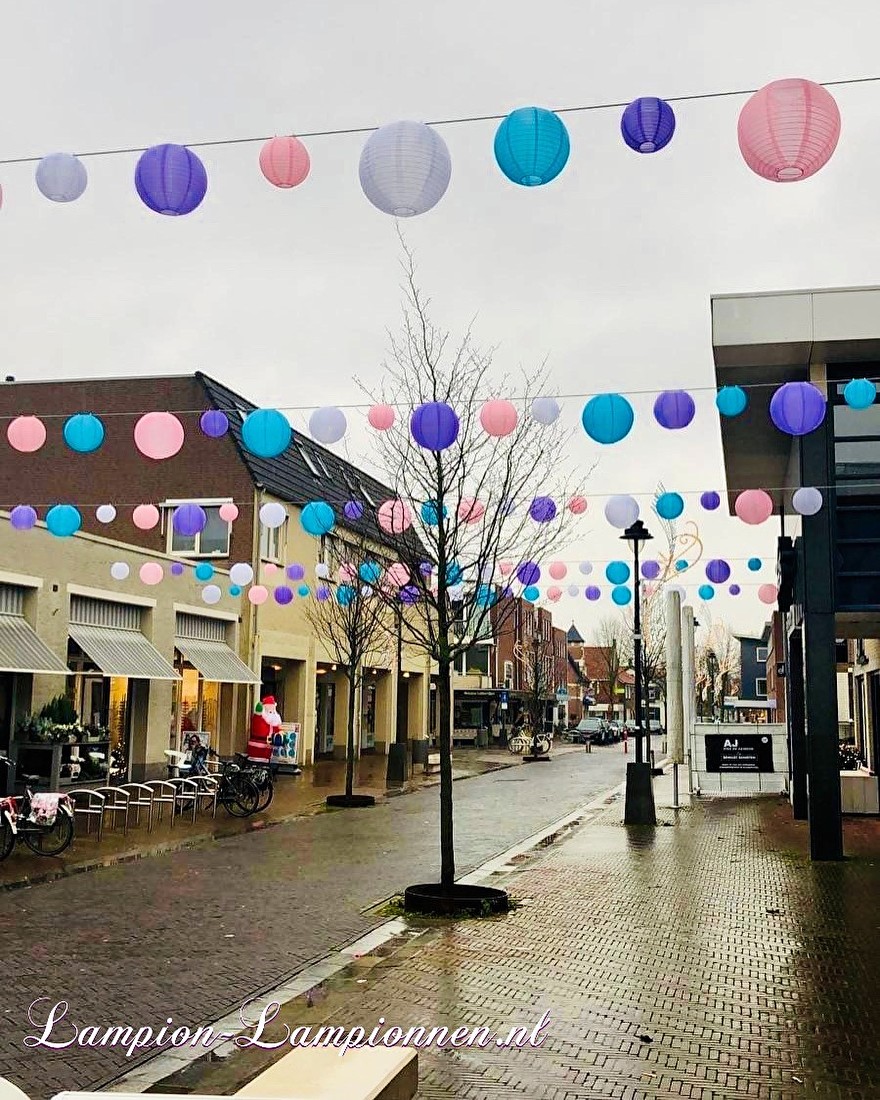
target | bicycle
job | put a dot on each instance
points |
(43, 821)
(517, 744)
(237, 792)
(261, 774)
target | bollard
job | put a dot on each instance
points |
(588, 745)
(625, 746)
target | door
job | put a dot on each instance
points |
(368, 716)
(325, 707)
(872, 743)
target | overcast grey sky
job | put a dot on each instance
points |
(286, 294)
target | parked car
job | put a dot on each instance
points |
(590, 729)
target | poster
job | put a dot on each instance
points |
(285, 743)
(750, 752)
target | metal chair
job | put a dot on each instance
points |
(116, 801)
(209, 789)
(140, 795)
(164, 794)
(186, 793)
(92, 806)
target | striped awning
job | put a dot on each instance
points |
(21, 650)
(119, 652)
(216, 661)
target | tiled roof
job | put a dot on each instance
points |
(573, 637)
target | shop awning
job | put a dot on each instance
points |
(216, 661)
(21, 650)
(119, 652)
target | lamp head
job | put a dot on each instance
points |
(638, 534)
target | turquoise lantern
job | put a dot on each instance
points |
(731, 400)
(706, 592)
(317, 518)
(266, 433)
(617, 572)
(204, 571)
(607, 418)
(860, 393)
(83, 432)
(669, 505)
(621, 595)
(531, 593)
(531, 146)
(63, 520)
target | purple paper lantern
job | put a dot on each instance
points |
(528, 573)
(674, 409)
(426, 569)
(734, 590)
(409, 594)
(542, 510)
(797, 408)
(189, 519)
(283, 594)
(170, 179)
(592, 592)
(214, 423)
(23, 517)
(176, 569)
(717, 571)
(650, 570)
(295, 572)
(322, 593)
(710, 501)
(434, 426)
(648, 124)
(353, 510)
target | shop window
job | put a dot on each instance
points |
(197, 705)
(212, 542)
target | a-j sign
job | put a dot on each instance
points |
(751, 752)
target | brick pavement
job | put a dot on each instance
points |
(193, 933)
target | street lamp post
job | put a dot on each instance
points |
(639, 807)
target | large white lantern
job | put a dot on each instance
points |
(328, 424)
(61, 177)
(622, 511)
(405, 168)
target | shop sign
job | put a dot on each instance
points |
(739, 752)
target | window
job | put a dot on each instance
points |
(307, 458)
(508, 674)
(761, 654)
(761, 688)
(367, 496)
(272, 542)
(212, 542)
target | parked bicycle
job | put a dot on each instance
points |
(520, 743)
(262, 776)
(237, 792)
(43, 821)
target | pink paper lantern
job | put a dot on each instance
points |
(284, 161)
(347, 574)
(788, 130)
(768, 593)
(505, 568)
(498, 417)
(397, 575)
(577, 505)
(471, 510)
(257, 594)
(558, 570)
(158, 435)
(381, 417)
(151, 572)
(394, 517)
(554, 593)
(753, 506)
(269, 568)
(145, 517)
(26, 434)
(228, 512)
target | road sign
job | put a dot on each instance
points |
(562, 695)
(504, 698)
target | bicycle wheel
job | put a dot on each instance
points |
(7, 838)
(240, 796)
(51, 840)
(543, 744)
(266, 792)
(517, 744)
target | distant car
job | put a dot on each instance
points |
(590, 729)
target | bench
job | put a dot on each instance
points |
(432, 763)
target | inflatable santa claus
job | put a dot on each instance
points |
(265, 723)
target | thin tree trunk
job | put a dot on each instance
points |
(444, 705)
(349, 750)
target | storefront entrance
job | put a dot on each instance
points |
(325, 717)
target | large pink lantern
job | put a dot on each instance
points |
(498, 417)
(557, 570)
(768, 593)
(788, 130)
(394, 517)
(381, 417)
(145, 517)
(471, 510)
(397, 575)
(26, 433)
(284, 161)
(754, 506)
(158, 435)
(151, 572)
(258, 594)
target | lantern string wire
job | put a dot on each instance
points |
(351, 130)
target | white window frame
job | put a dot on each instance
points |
(762, 649)
(279, 536)
(758, 693)
(168, 506)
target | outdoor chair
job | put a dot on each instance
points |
(140, 795)
(89, 804)
(186, 794)
(116, 801)
(164, 794)
(209, 788)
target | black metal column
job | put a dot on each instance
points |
(797, 730)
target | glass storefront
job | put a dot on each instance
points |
(196, 706)
(368, 715)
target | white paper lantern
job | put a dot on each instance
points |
(456, 592)
(545, 410)
(211, 593)
(61, 177)
(586, 567)
(405, 168)
(241, 574)
(573, 590)
(622, 511)
(105, 513)
(807, 501)
(119, 571)
(322, 571)
(328, 425)
(272, 514)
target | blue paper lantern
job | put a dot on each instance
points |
(266, 433)
(706, 592)
(370, 572)
(617, 572)
(648, 124)
(542, 509)
(83, 433)
(621, 596)
(431, 514)
(345, 595)
(283, 594)
(63, 520)
(204, 571)
(434, 426)
(528, 573)
(592, 592)
(214, 423)
(669, 505)
(681, 565)
(486, 596)
(353, 510)
(454, 574)
(317, 518)
(731, 400)
(754, 564)
(674, 409)
(717, 571)
(531, 593)
(710, 501)
(797, 408)
(607, 418)
(532, 146)
(235, 590)
(303, 590)
(170, 179)
(860, 393)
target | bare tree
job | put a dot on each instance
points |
(538, 661)
(471, 500)
(612, 640)
(717, 667)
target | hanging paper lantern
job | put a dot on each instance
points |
(471, 510)
(151, 572)
(754, 564)
(505, 568)
(731, 400)
(860, 393)
(405, 168)
(23, 517)
(572, 590)
(322, 593)
(650, 570)
(345, 595)
(211, 594)
(607, 418)
(303, 591)
(270, 567)
(621, 511)
(189, 519)
(328, 425)
(145, 517)
(394, 517)
(370, 572)
(577, 505)
(807, 501)
(545, 410)
(83, 433)
(454, 573)
(617, 572)
(283, 595)
(214, 423)
(531, 593)
(788, 130)
(353, 510)
(409, 595)
(258, 594)
(426, 569)
(621, 596)
(710, 501)
(531, 146)
(272, 514)
(669, 505)
(105, 513)
(542, 509)
(266, 433)
(234, 590)
(322, 571)
(61, 177)
(430, 514)
(674, 409)
(734, 590)
(119, 571)
(295, 572)
(647, 124)
(554, 594)
(768, 593)
(228, 512)
(797, 408)
(397, 575)
(681, 565)
(486, 596)
(706, 592)
(381, 417)
(284, 161)
(753, 506)
(241, 574)
(26, 434)
(528, 573)
(557, 570)
(176, 569)
(170, 179)
(204, 571)
(498, 417)
(717, 571)
(592, 592)
(158, 435)
(434, 426)
(317, 518)
(586, 567)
